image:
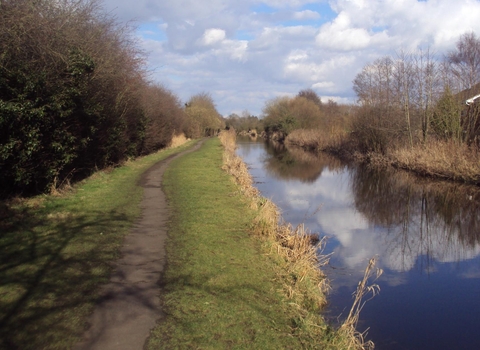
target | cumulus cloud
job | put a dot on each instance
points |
(283, 46)
(340, 36)
(306, 15)
(212, 36)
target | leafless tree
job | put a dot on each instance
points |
(426, 85)
(311, 95)
(465, 60)
(404, 77)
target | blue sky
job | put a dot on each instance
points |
(245, 53)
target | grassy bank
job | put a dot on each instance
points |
(236, 278)
(223, 287)
(304, 284)
(56, 252)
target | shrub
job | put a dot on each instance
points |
(202, 118)
(73, 94)
(164, 117)
(446, 117)
(288, 114)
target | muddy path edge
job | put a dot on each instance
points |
(129, 304)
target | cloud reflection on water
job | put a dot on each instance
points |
(368, 213)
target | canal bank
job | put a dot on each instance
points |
(225, 286)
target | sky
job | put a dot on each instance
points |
(247, 52)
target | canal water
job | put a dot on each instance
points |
(425, 235)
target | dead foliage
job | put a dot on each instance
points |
(305, 284)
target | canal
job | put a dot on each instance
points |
(425, 235)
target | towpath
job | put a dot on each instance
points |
(129, 306)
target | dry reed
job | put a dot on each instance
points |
(178, 140)
(442, 159)
(304, 281)
(348, 336)
(305, 285)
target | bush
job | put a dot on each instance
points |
(369, 131)
(164, 116)
(446, 118)
(73, 95)
(202, 118)
(287, 114)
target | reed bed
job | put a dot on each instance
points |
(316, 139)
(442, 159)
(304, 280)
(299, 252)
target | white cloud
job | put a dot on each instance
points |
(203, 42)
(323, 85)
(306, 15)
(212, 36)
(342, 35)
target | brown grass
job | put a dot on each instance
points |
(178, 140)
(304, 283)
(316, 139)
(297, 247)
(442, 159)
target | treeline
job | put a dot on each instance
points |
(283, 115)
(244, 122)
(413, 96)
(75, 95)
(305, 111)
(403, 101)
(416, 110)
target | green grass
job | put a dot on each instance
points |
(56, 251)
(221, 288)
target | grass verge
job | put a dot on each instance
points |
(223, 289)
(236, 277)
(56, 252)
(300, 260)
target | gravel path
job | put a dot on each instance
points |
(129, 306)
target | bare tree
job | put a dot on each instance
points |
(311, 95)
(465, 60)
(404, 77)
(426, 86)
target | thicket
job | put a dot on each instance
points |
(245, 122)
(305, 111)
(164, 116)
(74, 95)
(202, 116)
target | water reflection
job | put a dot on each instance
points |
(425, 234)
(294, 164)
(432, 220)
